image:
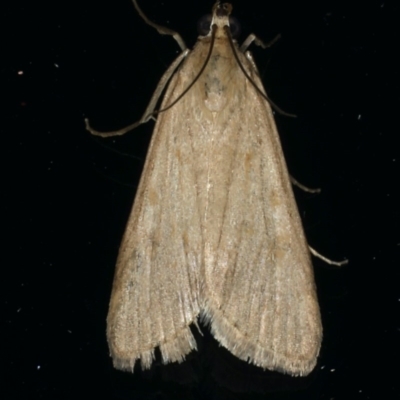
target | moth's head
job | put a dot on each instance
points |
(222, 9)
(220, 17)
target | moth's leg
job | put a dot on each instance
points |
(302, 187)
(257, 41)
(161, 29)
(249, 56)
(148, 114)
(327, 260)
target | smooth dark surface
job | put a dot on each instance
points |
(68, 195)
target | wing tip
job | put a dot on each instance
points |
(248, 350)
(172, 350)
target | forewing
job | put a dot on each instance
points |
(156, 285)
(259, 285)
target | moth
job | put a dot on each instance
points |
(214, 231)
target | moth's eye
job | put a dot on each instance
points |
(235, 27)
(204, 24)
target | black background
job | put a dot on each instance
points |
(68, 195)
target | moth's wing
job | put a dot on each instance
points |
(156, 285)
(260, 294)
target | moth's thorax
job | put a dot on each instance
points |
(221, 80)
